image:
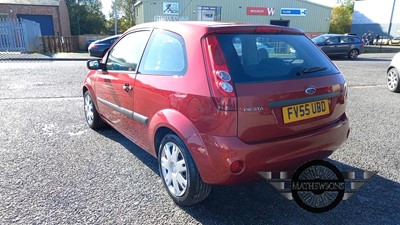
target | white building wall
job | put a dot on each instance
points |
(374, 16)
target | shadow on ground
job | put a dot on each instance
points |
(377, 202)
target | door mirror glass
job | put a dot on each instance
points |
(93, 64)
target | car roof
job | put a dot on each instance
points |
(216, 27)
(112, 37)
(108, 38)
(338, 35)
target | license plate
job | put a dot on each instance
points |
(294, 113)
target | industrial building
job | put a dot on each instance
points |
(376, 17)
(52, 15)
(312, 18)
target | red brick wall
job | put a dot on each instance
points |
(63, 20)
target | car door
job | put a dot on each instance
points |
(114, 86)
(330, 46)
(344, 46)
(159, 79)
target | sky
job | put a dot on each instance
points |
(330, 3)
(107, 4)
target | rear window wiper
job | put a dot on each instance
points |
(310, 70)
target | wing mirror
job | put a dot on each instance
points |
(94, 64)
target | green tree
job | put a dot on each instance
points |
(86, 17)
(126, 14)
(341, 18)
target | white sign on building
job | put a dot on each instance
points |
(209, 13)
(171, 8)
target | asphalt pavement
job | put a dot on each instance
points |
(16, 56)
(55, 170)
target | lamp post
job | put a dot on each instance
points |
(115, 18)
(391, 18)
(79, 26)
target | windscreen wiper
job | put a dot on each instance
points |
(310, 70)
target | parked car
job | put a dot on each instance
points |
(340, 45)
(88, 42)
(382, 41)
(395, 41)
(100, 47)
(211, 115)
(393, 77)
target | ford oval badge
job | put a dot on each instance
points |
(310, 90)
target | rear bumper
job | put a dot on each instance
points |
(279, 155)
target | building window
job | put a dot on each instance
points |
(3, 15)
(209, 13)
(284, 23)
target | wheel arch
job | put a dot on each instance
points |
(160, 133)
(171, 121)
(391, 67)
(358, 50)
(84, 89)
(89, 86)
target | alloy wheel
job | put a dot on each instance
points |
(392, 80)
(173, 168)
(89, 109)
(353, 54)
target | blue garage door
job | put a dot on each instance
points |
(45, 21)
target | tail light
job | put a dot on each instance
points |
(219, 79)
(344, 92)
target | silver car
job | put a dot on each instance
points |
(393, 76)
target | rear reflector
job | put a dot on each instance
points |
(237, 167)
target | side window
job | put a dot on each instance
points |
(333, 40)
(127, 52)
(164, 55)
(344, 40)
(354, 40)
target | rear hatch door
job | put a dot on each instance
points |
(285, 85)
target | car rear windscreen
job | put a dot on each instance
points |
(271, 57)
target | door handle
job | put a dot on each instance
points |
(127, 88)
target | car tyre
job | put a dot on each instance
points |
(179, 173)
(393, 79)
(353, 54)
(92, 117)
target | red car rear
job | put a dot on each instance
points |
(218, 102)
